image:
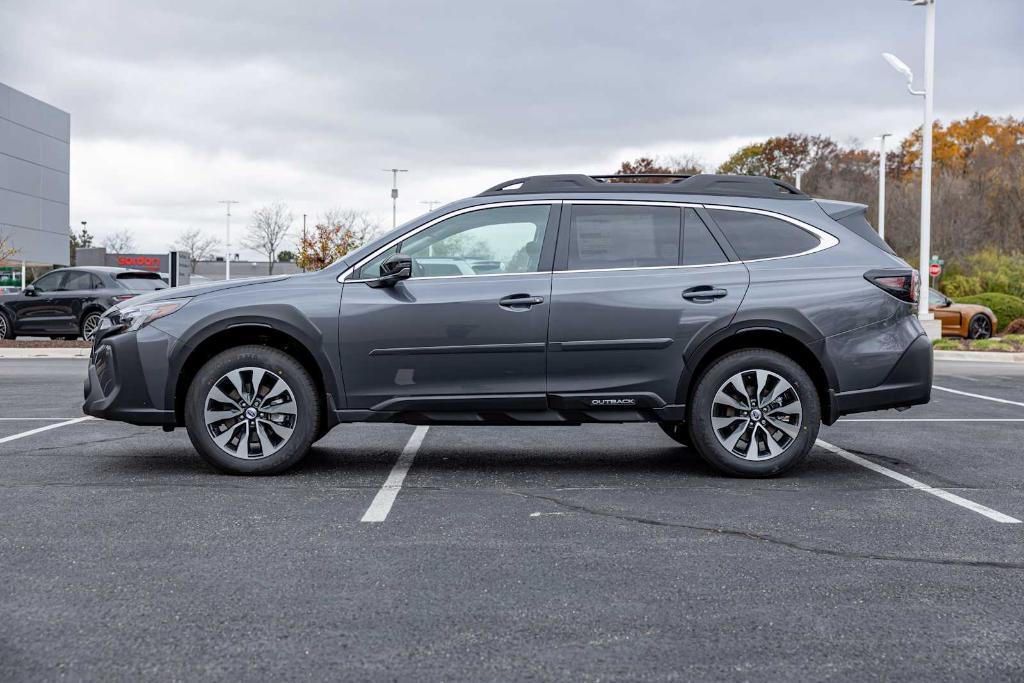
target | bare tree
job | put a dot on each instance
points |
(119, 242)
(7, 250)
(269, 226)
(200, 247)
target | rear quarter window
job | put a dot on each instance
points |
(756, 236)
(141, 283)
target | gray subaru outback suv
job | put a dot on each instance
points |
(735, 312)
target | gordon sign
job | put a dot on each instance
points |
(139, 262)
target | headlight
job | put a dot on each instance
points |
(135, 317)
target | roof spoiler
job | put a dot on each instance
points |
(853, 217)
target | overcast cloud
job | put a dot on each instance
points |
(175, 105)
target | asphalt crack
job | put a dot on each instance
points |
(774, 540)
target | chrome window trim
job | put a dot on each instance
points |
(825, 240)
(458, 212)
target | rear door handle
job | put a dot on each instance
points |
(520, 301)
(704, 294)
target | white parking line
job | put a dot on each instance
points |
(994, 515)
(981, 396)
(35, 419)
(385, 498)
(30, 432)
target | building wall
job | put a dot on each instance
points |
(35, 166)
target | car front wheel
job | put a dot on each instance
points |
(252, 410)
(980, 327)
(754, 413)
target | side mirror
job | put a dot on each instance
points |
(30, 290)
(394, 268)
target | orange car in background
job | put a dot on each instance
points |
(961, 320)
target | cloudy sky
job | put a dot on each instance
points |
(175, 105)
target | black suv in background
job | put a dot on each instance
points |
(67, 303)
(736, 312)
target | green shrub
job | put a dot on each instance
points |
(1006, 307)
(1015, 328)
(946, 345)
(956, 286)
(998, 271)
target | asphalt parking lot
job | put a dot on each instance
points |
(586, 553)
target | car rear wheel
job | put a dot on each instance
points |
(90, 323)
(6, 327)
(980, 327)
(754, 413)
(252, 410)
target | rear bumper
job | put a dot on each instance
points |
(909, 383)
(116, 385)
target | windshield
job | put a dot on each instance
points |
(141, 283)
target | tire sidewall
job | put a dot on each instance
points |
(303, 391)
(8, 330)
(702, 431)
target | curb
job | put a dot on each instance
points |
(42, 352)
(981, 356)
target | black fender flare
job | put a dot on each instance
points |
(780, 326)
(279, 318)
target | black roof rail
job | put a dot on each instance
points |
(702, 183)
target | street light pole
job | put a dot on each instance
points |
(923, 312)
(431, 203)
(881, 184)
(227, 256)
(394, 193)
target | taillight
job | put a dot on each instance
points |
(902, 283)
(123, 297)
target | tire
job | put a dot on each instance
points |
(980, 327)
(267, 442)
(783, 433)
(6, 327)
(678, 432)
(90, 323)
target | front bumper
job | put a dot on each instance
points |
(909, 383)
(122, 386)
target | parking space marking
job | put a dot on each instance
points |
(981, 396)
(385, 498)
(35, 419)
(37, 430)
(994, 515)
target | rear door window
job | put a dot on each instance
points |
(756, 236)
(76, 281)
(608, 236)
(699, 245)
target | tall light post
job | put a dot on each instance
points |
(394, 192)
(923, 314)
(431, 203)
(227, 256)
(881, 184)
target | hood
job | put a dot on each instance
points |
(197, 290)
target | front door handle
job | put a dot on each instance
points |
(704, 294)
(520, 301)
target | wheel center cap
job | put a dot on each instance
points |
(250, 413)
(755, 414)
